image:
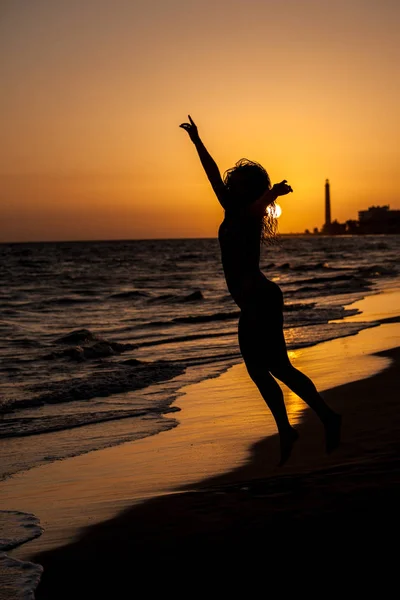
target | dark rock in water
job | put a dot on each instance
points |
(100, 349)
(130, 294)
(73, 353)
(117, 347)
(76, 353)
(79, 336)
(133, 362)
(193, 297)
(103, 349)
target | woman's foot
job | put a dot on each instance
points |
(287, 440)
(333, 426)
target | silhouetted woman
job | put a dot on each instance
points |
(248, 200)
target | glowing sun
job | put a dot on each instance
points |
(275, 211)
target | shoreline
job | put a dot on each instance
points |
(219, 421)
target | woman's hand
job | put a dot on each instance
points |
(191, 129)
(282, 188)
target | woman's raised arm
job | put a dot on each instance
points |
(209, 164)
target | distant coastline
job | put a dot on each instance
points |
(306, 233)
(377, 220)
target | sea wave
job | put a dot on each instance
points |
(319, 266)
(130, 295)
(306, 310)
(26, 426)
(356, 285)
(116, 379)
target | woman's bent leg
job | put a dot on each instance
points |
(302, 385)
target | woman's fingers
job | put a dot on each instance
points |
(285, 184)
(283, 188)
(189, 126)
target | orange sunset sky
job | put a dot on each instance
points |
(93, 92)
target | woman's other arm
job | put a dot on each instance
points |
(278, 189)
(209, 164)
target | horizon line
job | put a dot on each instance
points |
(159, 239)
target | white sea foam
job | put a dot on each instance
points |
(18, 579)
(17, 527)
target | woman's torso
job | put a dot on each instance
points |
(239, 237)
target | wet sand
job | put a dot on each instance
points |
(241, 527)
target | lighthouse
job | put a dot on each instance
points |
(327, 204)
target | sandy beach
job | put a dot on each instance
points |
(206, 500)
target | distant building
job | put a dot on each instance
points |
(327, 203)
(330, 227)
(377, 219)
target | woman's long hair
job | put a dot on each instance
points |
(246, 182)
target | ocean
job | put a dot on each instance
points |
(98, 338)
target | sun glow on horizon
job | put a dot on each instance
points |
(274, 210)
